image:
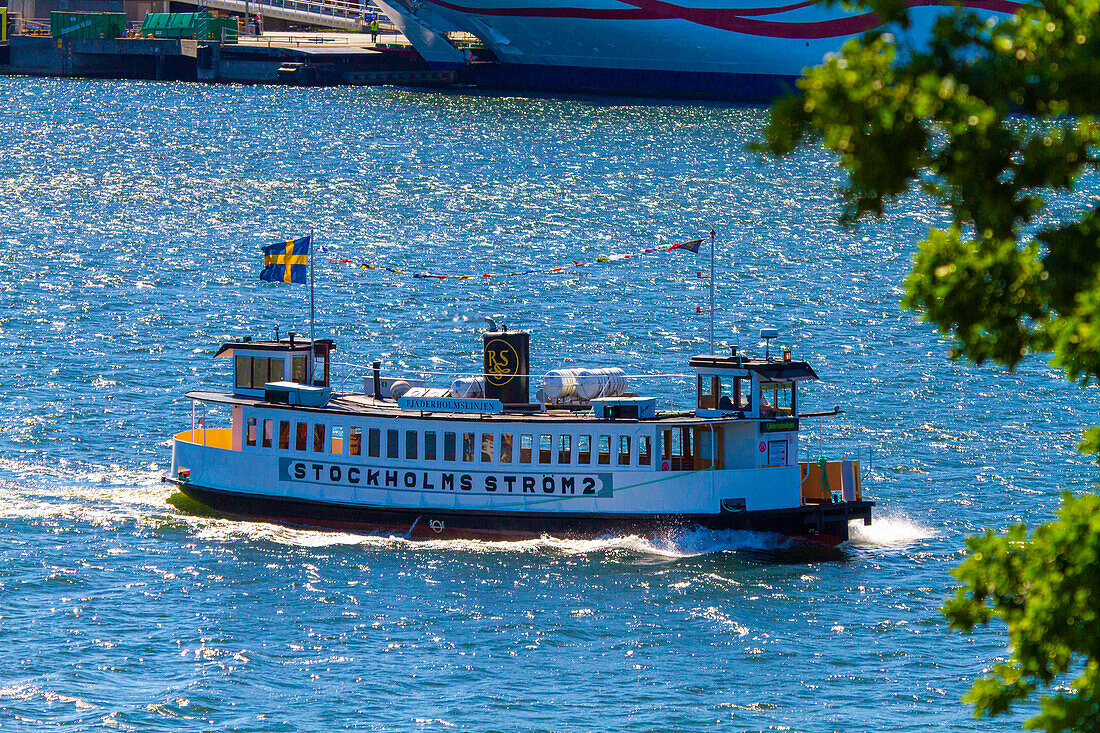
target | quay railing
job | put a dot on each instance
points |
(32, 27)
(288, 40)
(346, 14)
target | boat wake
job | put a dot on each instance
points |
(98, 494)
(890, 529)
(669, 547)
(104, 495)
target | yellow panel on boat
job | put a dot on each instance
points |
(212, 437)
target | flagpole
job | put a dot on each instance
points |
(311, 312)
(712, 291)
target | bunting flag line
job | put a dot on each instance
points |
(691, 246)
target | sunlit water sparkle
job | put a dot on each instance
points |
(132, 217)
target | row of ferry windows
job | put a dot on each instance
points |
(488, 447)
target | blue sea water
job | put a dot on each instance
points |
(131, 216)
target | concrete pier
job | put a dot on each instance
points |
(316, 59)
(295, 58)
(117, 58)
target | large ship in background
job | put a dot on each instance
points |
(725, 49)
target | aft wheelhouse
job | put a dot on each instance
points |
(587, 457)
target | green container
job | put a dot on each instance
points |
(200, 26)
(167, 30)
(181, 25)
(167, 25)
(217, 25)
(153, 25)
(64, 24)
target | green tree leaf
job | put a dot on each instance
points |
(991, 121)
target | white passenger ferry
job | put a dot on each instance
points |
(482, 459)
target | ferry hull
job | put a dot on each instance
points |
(733, 50)
(822, 523)
(632, 82)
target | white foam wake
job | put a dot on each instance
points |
(890, 529)
(71, 489)
(671, 546)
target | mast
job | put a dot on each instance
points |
(712, 291)
(311, 312)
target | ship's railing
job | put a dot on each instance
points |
(841, 481)
(33, 27)
(202, 414)
(462, 39)
(679, 388)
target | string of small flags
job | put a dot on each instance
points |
(689, 246)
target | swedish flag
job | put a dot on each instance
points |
(287, 262)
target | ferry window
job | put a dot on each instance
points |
(565, 448)
(624, 450)
(337, 440)
(298, 371)
(506, 448)
(728, 393)
(686, 461)
(284, 435)
(735, 393)
(544, 448)
(708, 389)
(275, 370)
(269, 432)
(259, 372)
(355, 441)
(605, 450)
(429, 445)
(777, 398)
(448, 446)
(318, 438)
(250, 431)
(525, 443)
(467, 446)
(584, 449)
(645, 450)
(410, 445)
(676, 449)
(486, 447)
(391, 444)
(301, 436)
(244, 371)
(673, 445)
(374, 442)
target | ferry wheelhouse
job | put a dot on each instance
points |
(586, 457)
